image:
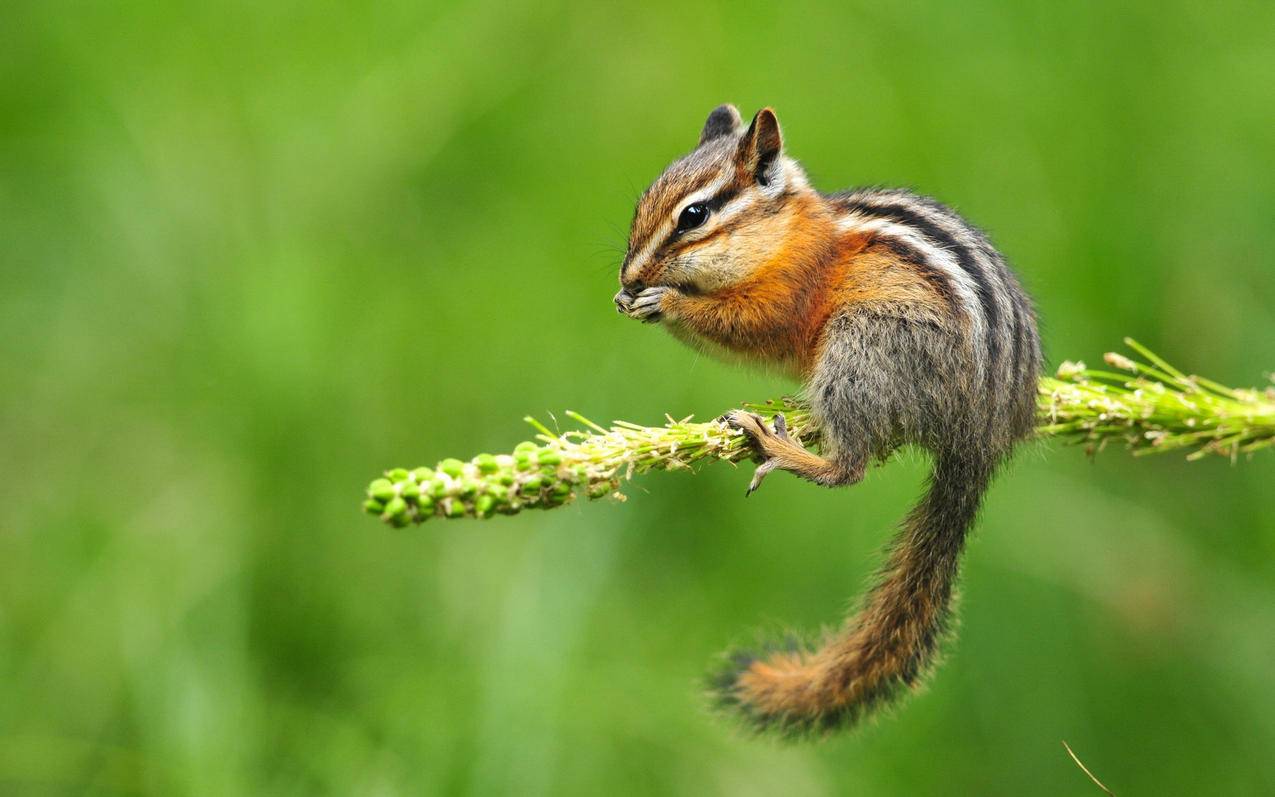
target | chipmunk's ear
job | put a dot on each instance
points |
(761, 147)
(723, 121)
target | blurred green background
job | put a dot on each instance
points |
(253, 253)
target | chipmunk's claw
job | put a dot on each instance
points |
(758, 475)
(754, 426)
(645, 305)
(781, 428)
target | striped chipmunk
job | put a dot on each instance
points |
(904, 325)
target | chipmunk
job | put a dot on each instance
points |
(904, 325)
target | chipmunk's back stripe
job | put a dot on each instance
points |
(941, 260)
(950, 232)
(969, 263)
(1024, 363)
(1016, 315)
(1026, 344)
(914, 257)
(1009, 296)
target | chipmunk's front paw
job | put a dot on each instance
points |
(767, 441)
(648, 305)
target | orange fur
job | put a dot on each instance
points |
(777, 315)
(850, 666)
(734, 250)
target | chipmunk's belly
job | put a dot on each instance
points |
(788, 367)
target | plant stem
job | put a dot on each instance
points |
(1147, 405)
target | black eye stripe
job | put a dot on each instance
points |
(718, 202)
(711, 206)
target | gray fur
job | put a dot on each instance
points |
(956, 377)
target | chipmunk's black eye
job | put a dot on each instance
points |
(693, 215)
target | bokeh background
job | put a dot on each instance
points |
(253, 253)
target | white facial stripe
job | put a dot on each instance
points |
(723, 214)
(666, 228)
(644, 254)
(745, 199)
(702, 195)
(940, 258)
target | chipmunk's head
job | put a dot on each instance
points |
(718, 213)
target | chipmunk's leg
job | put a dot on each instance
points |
(779, 451)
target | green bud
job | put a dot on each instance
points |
(395, 508)
(498, 491)
(526, 447)
(486, 463)
(562, 489)
(452, 467)
(549, 457)
(455, 508)
(506, 478)
(556, 499)
(599, 489)
(425, 505)
(532, 485)
(410, 491)
(373, 506)
(381, 490)
(423, 475)
(524, 460)
(468, 487)
(438, 488)
(398, 474)
(483, 505)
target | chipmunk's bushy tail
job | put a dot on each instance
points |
(889, 645)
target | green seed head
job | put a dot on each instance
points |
(381, 489)
(395, 510)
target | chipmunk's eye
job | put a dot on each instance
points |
(693, 215)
